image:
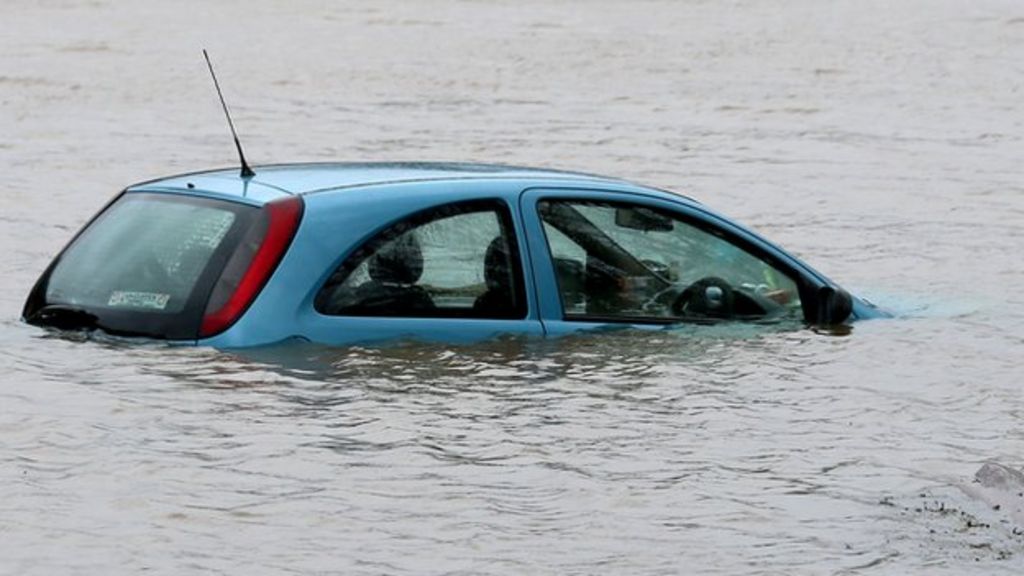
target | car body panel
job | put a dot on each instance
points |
(273, 181)
(231, 189)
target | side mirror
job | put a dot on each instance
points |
(834, 306)
(642, 219)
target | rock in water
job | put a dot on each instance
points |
(995, 475)
(1001, 487)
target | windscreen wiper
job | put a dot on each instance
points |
(64, 317)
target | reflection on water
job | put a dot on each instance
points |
(879, 142)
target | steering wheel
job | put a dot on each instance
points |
(712, 297)
(709, 297)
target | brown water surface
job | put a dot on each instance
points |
(881, 141)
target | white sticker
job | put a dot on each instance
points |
(150, 300)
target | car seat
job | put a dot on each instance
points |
(499, 299)
(392, 290)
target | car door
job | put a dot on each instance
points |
(451, 272)
(611, 258)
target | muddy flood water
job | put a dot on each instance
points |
(880, 141)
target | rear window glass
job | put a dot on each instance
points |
(146, 254)
(149, 255)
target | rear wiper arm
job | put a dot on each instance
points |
(64, 317)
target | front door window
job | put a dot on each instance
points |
(625, 262)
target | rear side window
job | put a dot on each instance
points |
(147, 264)
(455, 261)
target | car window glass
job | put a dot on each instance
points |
(145, 254)
(456, 261)
(568, 258)
(634, 263)
(562, 246)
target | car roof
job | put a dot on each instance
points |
(275, 180)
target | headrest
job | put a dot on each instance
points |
(399, 262)
(496, 265)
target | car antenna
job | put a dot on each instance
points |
(246, 171)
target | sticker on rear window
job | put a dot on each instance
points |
(149, 300)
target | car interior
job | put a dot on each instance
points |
(612, 283)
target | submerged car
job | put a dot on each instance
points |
(346, 253)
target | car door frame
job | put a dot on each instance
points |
(552, 314)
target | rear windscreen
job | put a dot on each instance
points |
(146, 264)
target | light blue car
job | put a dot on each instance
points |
(353, 253)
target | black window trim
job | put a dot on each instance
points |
(354, 258)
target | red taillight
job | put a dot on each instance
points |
(282, 219)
